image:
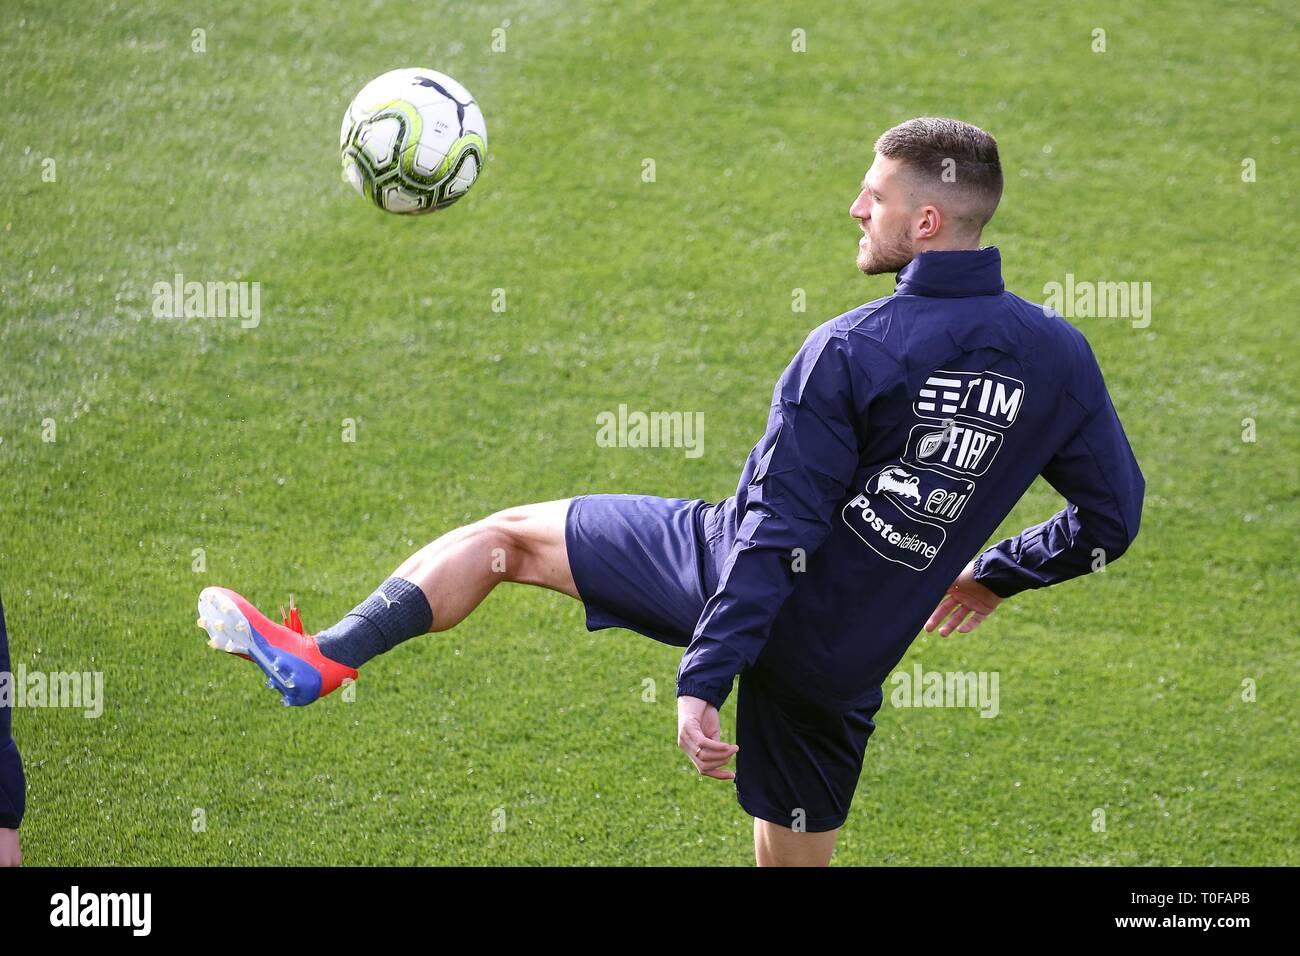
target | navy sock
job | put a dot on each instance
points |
(396, 612)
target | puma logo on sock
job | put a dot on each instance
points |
(387, 603)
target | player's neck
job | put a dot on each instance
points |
(948, 244)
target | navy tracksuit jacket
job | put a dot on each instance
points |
(13, 788)
(899, 438)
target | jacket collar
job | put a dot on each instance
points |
(953, 273)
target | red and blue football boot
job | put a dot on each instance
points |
(290, 658)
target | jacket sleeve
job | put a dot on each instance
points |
(808, 457)
(13, 786)
(1097, 474)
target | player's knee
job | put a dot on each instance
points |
(776, 845)
(508, 537)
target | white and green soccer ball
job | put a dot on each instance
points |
(413, 141)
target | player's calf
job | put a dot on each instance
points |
(522, 545)
(433, 590)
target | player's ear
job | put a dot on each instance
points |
(929, 221)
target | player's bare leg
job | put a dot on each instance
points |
(780, 846)
(432, 590)
(524, 545)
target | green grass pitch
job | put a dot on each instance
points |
(1124, 692)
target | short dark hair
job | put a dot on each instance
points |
(953, 155)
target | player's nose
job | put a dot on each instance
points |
(859, 208)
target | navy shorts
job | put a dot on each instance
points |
(645, 563)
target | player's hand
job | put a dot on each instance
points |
(10, 854)
(965, 606)
(699, 732)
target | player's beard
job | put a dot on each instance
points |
(884, 254)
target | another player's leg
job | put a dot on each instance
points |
(781, 846)
(434, 589)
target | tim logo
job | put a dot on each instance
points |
(984, 397)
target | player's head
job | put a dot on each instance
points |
(933, 185)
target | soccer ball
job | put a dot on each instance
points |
(413, 141)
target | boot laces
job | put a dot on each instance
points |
(291, 620)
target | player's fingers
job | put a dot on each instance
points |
(719, 774)
(706, 749)
(958, 615)
(940, 612)
(710, 769)
(976, 602)
(942, 620)
(972, 622)
(716, 757)
(697, 745)
(709, 755)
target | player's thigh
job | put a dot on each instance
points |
(775, 845)
(640, 562)
(798, 766)
(531, 538)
